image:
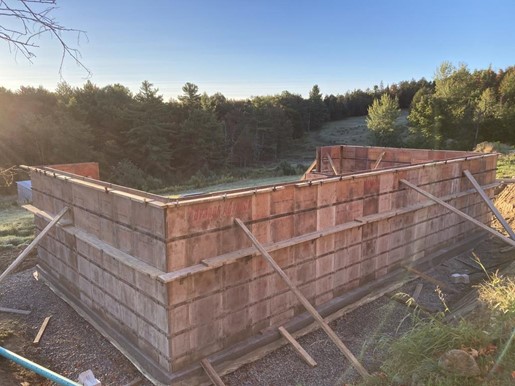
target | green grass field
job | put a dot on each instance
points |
(16, 224)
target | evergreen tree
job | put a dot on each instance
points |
(381, 119)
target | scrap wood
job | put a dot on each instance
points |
(14, 311)
(413, 305)
(298, 348)
(211, 373)
(41, 330)
(305, 302)
(417, 291)
(428, 278)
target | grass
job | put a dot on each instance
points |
(16, 224)
(506, 166)
(488, 337)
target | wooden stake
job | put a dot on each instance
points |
(298, 348)
(34, 242)
(332, 335)
(41, 330)
(460, 213)
(378, 160)
(14, 311)
(490, 204)
(211, 373)
(332, 164)
(428, 278)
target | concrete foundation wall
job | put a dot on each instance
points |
(181, 281)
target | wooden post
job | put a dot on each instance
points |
(211, 373)
(34, 242)
(460, 213)
(490, 204)
(332, 335)
(298, 348)
(378, 160)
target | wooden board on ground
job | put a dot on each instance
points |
(14, 311)
(429, 278)
(41, 330)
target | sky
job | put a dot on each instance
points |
(244, 48)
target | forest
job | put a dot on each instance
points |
(143, 141)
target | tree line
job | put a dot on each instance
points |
(460, 109)
(141, 140)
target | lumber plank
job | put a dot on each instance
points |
(459, 213)
(309, 169)
(332, 164)
(417, 291)
(332, 335)
(34, 242)
(490, 204)
(41, 330)
(298, 348)
(14, 311)
(428, 278)
(211, 373)
(506, 180)
(378, 161)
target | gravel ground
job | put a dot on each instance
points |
(365, 331)
(70, 345)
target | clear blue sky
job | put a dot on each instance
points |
(243, 48)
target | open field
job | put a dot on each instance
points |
(348, 131)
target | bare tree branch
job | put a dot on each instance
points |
(30, 19)
(7, 176)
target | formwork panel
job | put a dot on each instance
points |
(181, 281)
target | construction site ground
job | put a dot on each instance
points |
(70, 345)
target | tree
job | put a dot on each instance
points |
(318, 112)
(191, 97)
(23, 21)
(149, 132)
(381, 119)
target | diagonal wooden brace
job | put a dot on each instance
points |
(314, 313)
(460, 213)
(489, 203)
(34, 242)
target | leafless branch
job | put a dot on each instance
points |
(7, 176)
(30, 19)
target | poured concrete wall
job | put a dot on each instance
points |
(180, 281)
